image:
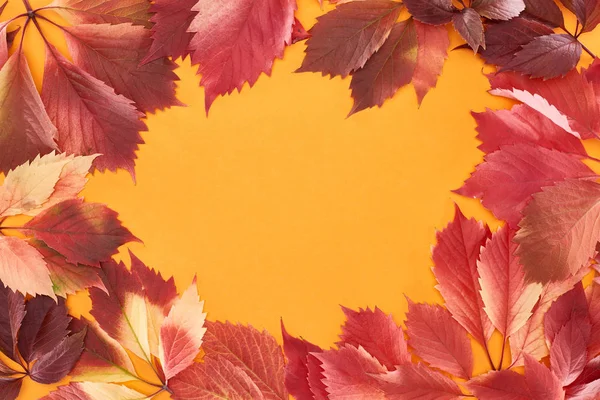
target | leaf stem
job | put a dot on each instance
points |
(576, 37)
(28, 6)
(502, 354)
(489, 356)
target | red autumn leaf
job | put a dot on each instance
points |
(507, 178)
(296, 369)
(77, 105)
(377, 333)
(434, 12)
(416, 381)
(555, 242)
(499, 9)
(593, 300)
(522, 124)
(503, 40)
(468, 24)
(587, 385)
(56, 364)
(508, 299)
(570, 305)
(586, 11)
(568, 353)
(85, 233)
(388, 70)
(237, 49)
(11, 318)
(112, 53)
(298, 32)
(350, 373)
(240, 346)
(547, 56)
(94, 391)
(108, 11)
(170, 36)
(432, 51)
(344, 39)
(438, 339)
(455, 258)
(546, 11)
(29, 132)
(542, 382)
(570, 102)
(315, 378)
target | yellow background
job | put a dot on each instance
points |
(282, 206)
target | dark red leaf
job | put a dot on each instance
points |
(298, 32)
(546, 11)
(53, 366)
(10, 388)
(12, 313)
(315, 378)
(433, 43)
(499, 9)
(434, 12)
(587, 12)
(468, 24)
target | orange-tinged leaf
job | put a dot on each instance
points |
(25, 128)
(416, 381)
(94, 391)
(557, 241)
(23, 268)
(507, 298)
(104, 11)
(433, 43)
(181, 333)
(439, 340)
(455, 258)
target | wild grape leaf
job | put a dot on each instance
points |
(434, 12)
(570, 305)
(234, 43)
(438, 339)
(556, 241)
(508, 299)
(296, 369)
(542, 382)
(25, 128)
(547, 56)
(85, 233)
(522, 124)
(299, 33)
(344, 39)
(171, 20)
(94, 391)
(315, 378)
(34, 335)
(455, 258)
(468, 24)
(505, 39)
(546, 11)
(416, 381)
(240, 345)
(349, 373)
(507, 178)
(43, 182)
(377, 333)
(112, 53)
(432, 51)
(499, 9)
(593, 299)
(77, 104)
(387, 70)
(570, 102)
(587, 12)
(587, 384)
(568, 353)
(105, 11)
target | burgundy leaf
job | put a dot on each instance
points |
(11, 316)
(499, 9)
(432, 52)
(299, 33)
(546, 11)
(10, 388)
(587, 12)
(434, 12)
(468, 24)
(53, 366)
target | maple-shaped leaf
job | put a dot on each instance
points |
(254, 353)
(570, 102)
(349, 372)
(508, 299)
(106, 11)
(86, 233)
(434, 12)
(43, 182)
(455, 258)
(112, 53)
(556, 241)
(234, 43)
(499, 9)
(439, 340)
(416, 381)
(468, 24)
(546, 11)
(503, 40)
(171, 20)
(522, 124)
(432, 51)
(77, 105)
(377, 333)
(507, 178)
(94, 391)
(297, 352)
(344, 39)
(29, 132)
(388, 70)
(34, 335)
(547, 56)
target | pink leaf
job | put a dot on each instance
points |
(468, 24)
(432, 52)
(416, 381)
(568, 354)
(542, 382)
(499, 9)
(455, 259)
(378, 334)
(504, 384)
(587, 385)
(508, 178)
(315, 378)
(570, 305)
(438, 339)
(593, 300)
